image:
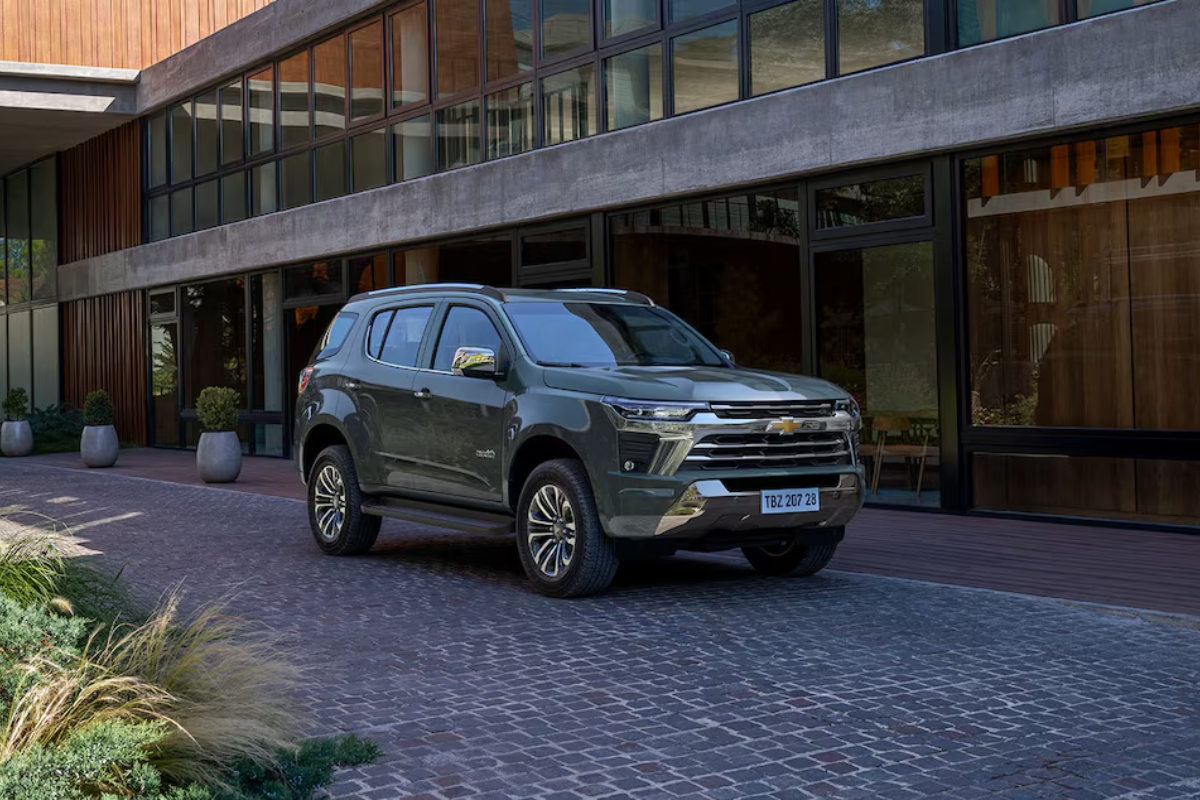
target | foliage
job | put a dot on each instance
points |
(98, 408)
(300, 772)
(56, 428)
(217, 408)
(16, 404)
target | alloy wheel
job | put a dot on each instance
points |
(551, 530)
(329, 502)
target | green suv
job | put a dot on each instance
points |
(592, 422)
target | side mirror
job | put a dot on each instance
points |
(728, 356)
(476, 362)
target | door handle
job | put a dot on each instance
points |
(421, 394)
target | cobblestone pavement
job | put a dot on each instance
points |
(693, 677)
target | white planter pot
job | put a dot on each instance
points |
(99, 446)
(219, 457)
(16, 439)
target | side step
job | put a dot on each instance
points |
(459, 519)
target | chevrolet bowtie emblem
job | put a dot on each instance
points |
(785, 425)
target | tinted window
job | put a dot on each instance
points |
(404, 336)
(336, 335)
(465, 327)
(379, 327)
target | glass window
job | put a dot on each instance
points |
(1091, 8)
(17, 241)
(306, 329)
(162, 304)
(233, 197)
(458, 135)
(330, 171)
(865, 203)
(487, 260)
(704, 67)
(626, 16)
(413, 143)
(569, 105)
(207, 213)
(329, 86)
(872, 33)
(464, 327)
(157, 142)
(368, 273)
(379, 328)
(207, 133)
(509, 37)
(232, 145)
(686, 9)
(181, 143)
(263, 195)
(4, 349)
(366, 71)
(261, 87)
(45, 356)
(3, 258)
(787, 46)
(316, 280)
(294, 117)
(985, 20)
(510, 121)
(1083, 283)
(410, 57)
(296, 180)
(267, 337)
(368, 151)
(214, 329)
(404, 336)
(633, 87)
(566, 26)
(43, 198)
(336, 335)
(20, 352)
(554, 247)
(164, 383)
(160, 218)
(457, 26)
(182, 219)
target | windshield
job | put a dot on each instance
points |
(609, 335)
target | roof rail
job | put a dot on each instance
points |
(476, 288)
(636, 297)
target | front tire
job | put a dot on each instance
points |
(564, 549)
(335, 505)
(793, 558)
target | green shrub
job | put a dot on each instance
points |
(56, 429)
(303, 771)
(98, 409)
(217, 409)
(15, 405)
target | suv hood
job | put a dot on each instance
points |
(691, 384)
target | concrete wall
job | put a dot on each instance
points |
(1128, 66)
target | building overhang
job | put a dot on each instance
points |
(45, 108)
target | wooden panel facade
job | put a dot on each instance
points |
(104, 347)
(123, 34)
(101, 195)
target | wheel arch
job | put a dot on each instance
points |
(533, 451)
(318, 437)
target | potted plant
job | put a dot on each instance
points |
(219, 455)
(16, 437)
(99, 445)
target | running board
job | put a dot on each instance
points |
(459, 519)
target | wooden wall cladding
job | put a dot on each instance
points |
(124, 34)
(104, 347)
(101, 195)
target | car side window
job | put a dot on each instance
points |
(464, 327)
(379, 327)
(403, 338)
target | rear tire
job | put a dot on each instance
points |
(794, 558)
(564, 549)
(335, 505)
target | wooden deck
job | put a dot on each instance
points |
(1116, 566)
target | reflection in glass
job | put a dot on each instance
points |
(162, 303)
(267, 336)
(368, 273)
(554, 247)
(160, 217)
(43, 244)
(566, 26)
(457, 27)
(510, 121)
(296, 180)
(486, 260)
(17, 237)
(458, 135)
(872, 33)
(368, 152)
(413, 143)
(214, 329)
(207, 201)
(306, 327)
(626, 16)
(294, 116)
(316, 280)
(509, 25)
(985, 20)
(633, 87)
(3, 257)
(1091, 8)
(704, 67)
(233, 197)
(157, 144)
(164, 383)
(207, 133)
(686, 9)
(330, 171)
(20, 352)
(231, 124)
(366, 71)
(261, 87)
(865, 203)
(182, 219)
(181, 142)
(263, 194)
(45, 356)
(3, 341)
(329, 86)
(410, 57)
(569, 105)
(787, 46)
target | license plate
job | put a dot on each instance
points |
(791, 501)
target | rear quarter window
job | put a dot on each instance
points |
(336, 335)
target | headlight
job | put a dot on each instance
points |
(850, 406)
(654, 411)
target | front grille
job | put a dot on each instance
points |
(732, 451)
(796, 409)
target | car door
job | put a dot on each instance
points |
(463, 417)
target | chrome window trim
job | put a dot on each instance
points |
(376, 313)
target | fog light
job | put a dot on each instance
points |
(630, 466)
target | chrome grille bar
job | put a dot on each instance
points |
(797, 409)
